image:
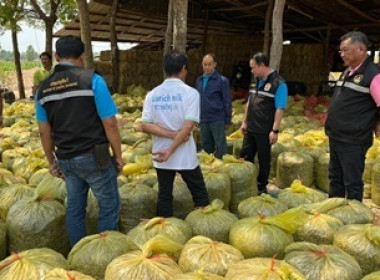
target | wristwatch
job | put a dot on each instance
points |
(275, 131)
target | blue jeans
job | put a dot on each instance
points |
(213, 137)
(82, 173)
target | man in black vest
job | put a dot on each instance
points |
(352, 117)
(263, 115)
(76, 114)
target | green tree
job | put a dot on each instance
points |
(11, 12)
(49, 12)
(30, 54)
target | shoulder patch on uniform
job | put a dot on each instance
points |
(358, 78)
(268, 86)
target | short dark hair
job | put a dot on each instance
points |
(46, 54)
(356, 37)
(260, 58)
(212, 55)
(174, 61)
(69, 47)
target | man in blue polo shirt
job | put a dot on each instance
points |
(76, 115)
(263, 115)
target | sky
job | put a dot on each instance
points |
(36, 38)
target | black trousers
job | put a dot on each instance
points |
(258, 143)
(194, 181)
(346, 169)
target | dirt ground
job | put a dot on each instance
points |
(28, 82)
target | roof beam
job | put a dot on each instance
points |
(357, 11)
(251, 7)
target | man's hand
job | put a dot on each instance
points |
(273, 137)
(55, 170)
(243, 127)
(119, 164)
(161, 155)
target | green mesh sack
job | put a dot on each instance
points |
(198, 275)
(3, 240)
(212, 221)
(372, 276)
(243, 175)
(153, 262)
(322, 180)
(137, 202)
(292, 166)
(218, 184)
(264, 204)
(32, 264)
(173, 228)
(363, 243)
(322, 262)
(265, 237)
(263, 269)
(299, 194)
(92, 254)
(319, 229)
(61, 274)
(9, 195)
(37, 222)
(201, 252)
(353, 212)
(182, 200)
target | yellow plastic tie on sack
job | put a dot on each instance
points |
(155, 221)
(288, 221)
(215, 205)
(298, 187)
(160, 245)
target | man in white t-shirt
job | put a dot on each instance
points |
(171, 110)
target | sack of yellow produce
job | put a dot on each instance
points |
(31, 264)
(263, 269)
(61, 274)
(264, 204)
(322, 262)
(204, 253)
(92, 254)
(3, 240)
(363, 243)
(212, 221)
(198, 275)
(265, 237)
(243, 175)
(299, 194)
(173, 228)
(319, 229)
(153, 262)
(372, 276)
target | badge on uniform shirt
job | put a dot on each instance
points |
(267, 87)
(358, 78)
